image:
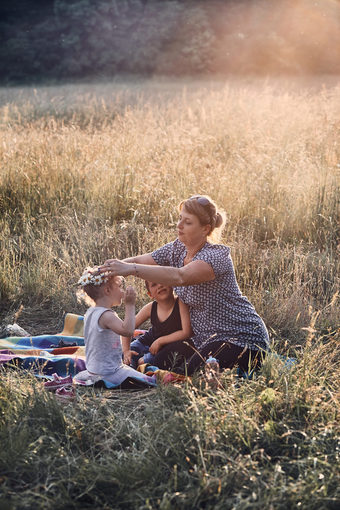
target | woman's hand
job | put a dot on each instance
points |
(116, 267)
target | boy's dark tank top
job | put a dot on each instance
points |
(170, 325)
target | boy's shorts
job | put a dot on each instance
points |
(146, 339)
(143, 352)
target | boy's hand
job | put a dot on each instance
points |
(155, 346)
(127, 355)
(130, 296)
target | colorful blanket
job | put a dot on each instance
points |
(62, 353)
(44, 355)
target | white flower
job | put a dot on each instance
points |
(93, 277)
(85, 279)
(82, 280)
(97, 280)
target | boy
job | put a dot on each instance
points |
(170, 322)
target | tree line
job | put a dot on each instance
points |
(73, 39)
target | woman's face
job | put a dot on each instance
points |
(189, 228)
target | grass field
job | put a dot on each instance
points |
(93, 171)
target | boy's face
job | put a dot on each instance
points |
(159, 292)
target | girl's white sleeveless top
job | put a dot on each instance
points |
(102, 346)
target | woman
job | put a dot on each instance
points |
(224, 322)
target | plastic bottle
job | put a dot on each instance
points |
(212, 370)
(212, 365)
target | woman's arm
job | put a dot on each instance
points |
(181, 334)
(141, 259)
(193, 273)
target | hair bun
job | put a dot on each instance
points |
(219, 220)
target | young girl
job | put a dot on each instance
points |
(102, 328)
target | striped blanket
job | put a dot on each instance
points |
(44, 355)
(62, 353)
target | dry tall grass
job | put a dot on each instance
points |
(89, 172)
(92, 171)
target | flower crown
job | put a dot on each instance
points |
(92, 276)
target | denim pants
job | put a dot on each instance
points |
(143, 352)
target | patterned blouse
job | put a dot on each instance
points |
(218, 310)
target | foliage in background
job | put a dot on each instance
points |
(88, 173)
(72, 39)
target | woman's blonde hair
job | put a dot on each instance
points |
(207, 213)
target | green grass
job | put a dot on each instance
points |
(268, 443)
(89, 172)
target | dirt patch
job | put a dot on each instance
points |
(35, 320)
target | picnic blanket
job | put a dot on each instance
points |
(62, 353)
